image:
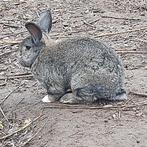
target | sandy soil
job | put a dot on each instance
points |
(122, 125)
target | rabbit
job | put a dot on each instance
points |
(76, 70)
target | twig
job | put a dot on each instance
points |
(11, 26)
(8, 25)
(140, 40)
(10, 34)
(20, 129)
(91, 22)
(77, 107)
(1, 110)
(88, 24)
(19, 74)
(131, 52)
(3, 69)
(3, 84)
(15, 107)
(95, 107)
(6, 53)
(125, 18)
(9, 42)
(33, 136)
(139, 94)
(17, 77)
(4, 46)
(126, 102)
(10, 93)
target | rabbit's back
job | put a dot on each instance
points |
(81, 51)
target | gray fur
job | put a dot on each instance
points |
(87, 68)
(45, 21)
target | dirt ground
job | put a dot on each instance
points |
(122, 124)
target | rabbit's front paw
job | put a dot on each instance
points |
(49, 99)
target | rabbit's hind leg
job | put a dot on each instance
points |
(70, 98)
(120, 97)
(87, 94)
(80, 95)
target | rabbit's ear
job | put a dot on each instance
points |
(45, 21)
(35, 32)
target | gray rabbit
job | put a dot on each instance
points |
(73, 70)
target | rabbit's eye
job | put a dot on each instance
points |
(28, 47)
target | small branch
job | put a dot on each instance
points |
(140, 40)
(19, 74)
(138, 94)
(66, 106)
(4, 46)
(77, 107)
(17, 77)
(125, 18)
(6, 53)
(33, 136)
(144, 41)
(94, 21)
(15, 107)
(9, 42)
(10, 93)
(88, 24)
(3, 84)
(1, 110)
(131, 52)
(8, 25)
(20, 129)
(10, 34)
